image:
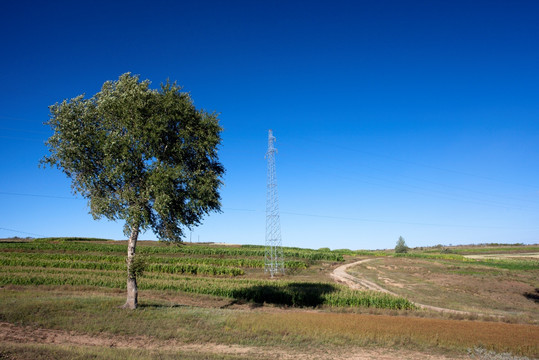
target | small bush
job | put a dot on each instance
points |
(401, 247)
(447, 251)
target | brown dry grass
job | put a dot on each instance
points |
(362, 330)
(456, 285)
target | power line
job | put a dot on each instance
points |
(395, 159)
(423, 191)
(40, 195)
(235, 209)
(11, 118)
(21, 232)
(292, 213)
(26, 131)
(363, 166)
(348, 218)
(440, 194)
(21, 138)
(395, 221)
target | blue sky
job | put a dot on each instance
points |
(416, 119)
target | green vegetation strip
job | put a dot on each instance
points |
(120, 260)
(159, 268)
(63, 246)
(275, 292)
(508, 264)
(72, 262)
(495, 249)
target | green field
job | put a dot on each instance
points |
(196, 298)
(231, 272)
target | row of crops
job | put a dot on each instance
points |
(116, 262)
(158, 268)
(219, 271)
(244, 251)
(261, 291)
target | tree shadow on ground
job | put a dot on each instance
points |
(159, 306)
(533, 295)
(293, 294)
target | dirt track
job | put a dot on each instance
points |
(12, 334)
(340, 275)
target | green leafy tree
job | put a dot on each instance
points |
(401, 247)
(144, 156)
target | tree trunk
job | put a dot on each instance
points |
(132, 291)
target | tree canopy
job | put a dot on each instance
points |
(145, 156)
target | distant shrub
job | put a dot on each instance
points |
(401, 247)
(446, 251)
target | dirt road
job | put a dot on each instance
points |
(340, 275)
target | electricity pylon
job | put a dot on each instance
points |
(273, 258)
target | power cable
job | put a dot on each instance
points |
(40, 195)
(395, 159)
(441, 194)
(395, 221)
(21, 138)
(363, 166)
(25, 131)
(289, 213)
(21, 232)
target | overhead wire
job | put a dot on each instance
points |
(437, 193)
(397, 221)
(363, 166)
(21, 138)
(428, 191)
(21, 232)
(395, 159)
(295, 213)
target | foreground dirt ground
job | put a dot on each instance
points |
(12, 334)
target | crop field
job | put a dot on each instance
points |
(218, 271)
(60, 298)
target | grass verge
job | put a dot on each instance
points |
(47, 352)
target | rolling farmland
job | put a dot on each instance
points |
(200, 294)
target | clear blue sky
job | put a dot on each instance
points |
(393, 118)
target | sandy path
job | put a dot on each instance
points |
(340, 275)
(12, 334)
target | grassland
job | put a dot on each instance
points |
(207, 301)
(505, 287)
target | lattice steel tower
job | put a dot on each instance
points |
(273, 259)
